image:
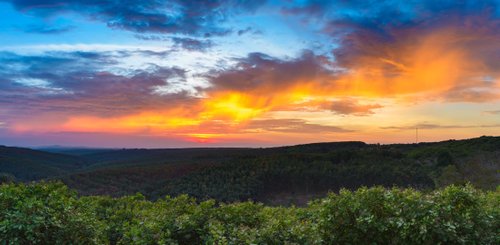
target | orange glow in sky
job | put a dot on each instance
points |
(330, 73)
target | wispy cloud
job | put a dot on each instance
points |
(350, 106)
(192, 44)
(291, 126)
(49, 30)
(440, 126)
(494, 112)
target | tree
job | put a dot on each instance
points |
(7, 178)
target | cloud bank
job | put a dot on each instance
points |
(375, 58)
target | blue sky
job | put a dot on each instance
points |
(250, 73)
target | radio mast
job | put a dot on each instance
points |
(416, 135)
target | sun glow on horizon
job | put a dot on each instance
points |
(259, 75)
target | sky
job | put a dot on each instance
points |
(185, 73)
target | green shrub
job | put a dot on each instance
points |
(49, 213)
(46, 213)
(454, 215)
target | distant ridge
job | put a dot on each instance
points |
(285, 174)
(28, 164)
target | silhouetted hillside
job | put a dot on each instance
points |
(27, 164)
(290, 174)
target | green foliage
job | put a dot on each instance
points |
(288, 175)
(282, 175)
(261, 178)
(46, 213)
(449, 175)
(50, 213)
(444, 158)
(454, 215)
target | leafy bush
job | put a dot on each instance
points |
(46, 213)
(50, 213)
(454, 215)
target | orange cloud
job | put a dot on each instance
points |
(434, 63)
(442, 63)
(447, 64)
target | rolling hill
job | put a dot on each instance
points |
(26, 164)
(280, 175)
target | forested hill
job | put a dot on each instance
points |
(291, 174)
(26, 164)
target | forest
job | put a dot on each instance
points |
(276, 176)
(323, 193)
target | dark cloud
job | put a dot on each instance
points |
(201, 18)
(82, 83)
(259, 72)
(369, 30)
(383, 15)
(192, 44)
(248, 30)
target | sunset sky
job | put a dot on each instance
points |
(152, 73)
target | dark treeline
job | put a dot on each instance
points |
(299, 174)
(281, 175)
